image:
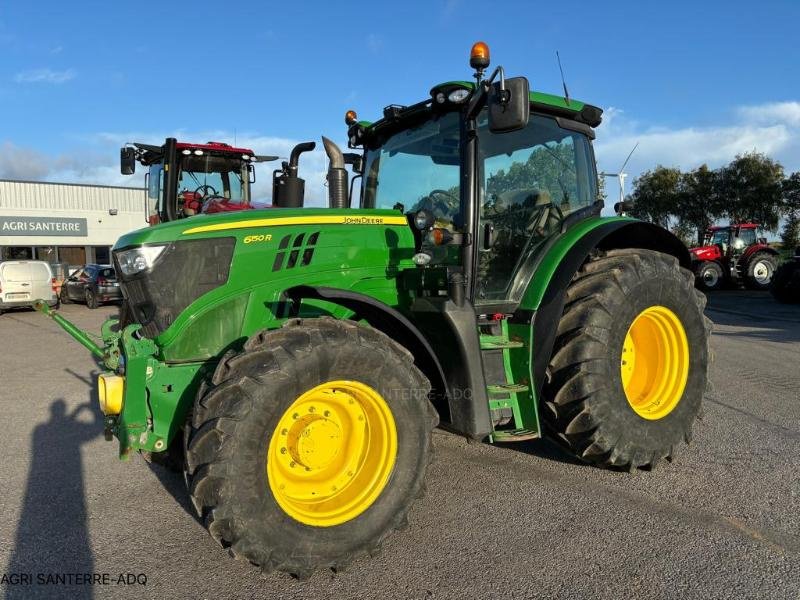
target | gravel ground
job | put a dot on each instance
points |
(721, 521)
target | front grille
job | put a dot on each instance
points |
(182, 273)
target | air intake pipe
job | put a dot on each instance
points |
(337, 176)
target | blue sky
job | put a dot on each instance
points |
(693, 82)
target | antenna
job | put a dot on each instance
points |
(563, 81)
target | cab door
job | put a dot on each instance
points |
(533, 179)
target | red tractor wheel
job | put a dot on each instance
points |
(760, 269)
(709, 276)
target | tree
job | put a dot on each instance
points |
(751, 186)
(697, 203)
(655, 195)
(790, 236)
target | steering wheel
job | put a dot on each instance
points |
(205, 188)
(538, 222)
(444, 193)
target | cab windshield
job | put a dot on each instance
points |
(202, 180)
(718, 236)
(417, 168)
(208, 177)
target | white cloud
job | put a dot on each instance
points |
(21, 163)
(45, 76)
(781, 112)
(772, 128)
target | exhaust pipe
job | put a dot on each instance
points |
(337, 176)
(288, 190)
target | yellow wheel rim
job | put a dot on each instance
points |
(655, 362)
(332, 453)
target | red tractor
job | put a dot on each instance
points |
(734, 254)
(186, 179)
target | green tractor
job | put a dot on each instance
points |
(293, 361)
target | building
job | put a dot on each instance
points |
(66, 223)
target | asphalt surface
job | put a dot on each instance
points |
(721, 521)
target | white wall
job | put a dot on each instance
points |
(35, 199)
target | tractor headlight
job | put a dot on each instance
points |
(458, 95)
(139, 259)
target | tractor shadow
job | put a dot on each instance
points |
(52, 536)
(175, 485)
(543, 448)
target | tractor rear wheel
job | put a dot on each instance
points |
(710, 276)
(309, 447)
(760, 269)
(629, 366)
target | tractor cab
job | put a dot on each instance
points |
(733, 238)
(186, 179)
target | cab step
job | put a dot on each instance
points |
(498, 342)
(507, 388)
(514, 435)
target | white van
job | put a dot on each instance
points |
(22, 282)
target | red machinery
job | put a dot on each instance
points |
(734, 254)
(186, 179)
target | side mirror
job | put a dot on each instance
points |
(251, 173)
(127, 160)
(509, 109)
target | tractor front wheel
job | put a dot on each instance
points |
(710, 276)
(629, 367)
(309, 446)
(760, 269)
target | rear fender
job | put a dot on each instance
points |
(751, 250)
(545, 295)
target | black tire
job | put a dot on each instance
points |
(228, 435)
(710, 276)
(782, 288)
(63, 296)
(91, 299)
(585, 406)
(760, 270)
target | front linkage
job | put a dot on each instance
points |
(132, 375)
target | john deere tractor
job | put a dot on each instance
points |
(295, 360)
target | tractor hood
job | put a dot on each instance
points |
(706, 253)
(255, 222)
(194, 282)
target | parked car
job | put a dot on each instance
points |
(22, 282)
(92, 284)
